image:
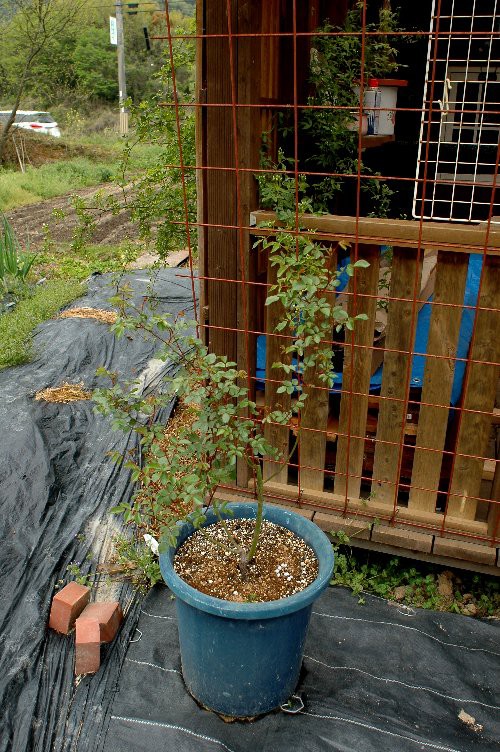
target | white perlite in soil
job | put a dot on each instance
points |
(283, 563)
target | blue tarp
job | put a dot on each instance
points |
(422, 335)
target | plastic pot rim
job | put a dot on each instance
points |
(304, 528)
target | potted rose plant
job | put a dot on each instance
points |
(244, 575)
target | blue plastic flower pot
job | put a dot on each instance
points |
(244, 659)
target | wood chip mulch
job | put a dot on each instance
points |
(183, 417)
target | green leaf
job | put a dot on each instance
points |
(272, 299)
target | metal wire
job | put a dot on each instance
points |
(293, 97)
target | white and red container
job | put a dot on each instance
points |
(379, 105)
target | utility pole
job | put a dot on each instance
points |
(122, 81)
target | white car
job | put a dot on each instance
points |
(32, 120)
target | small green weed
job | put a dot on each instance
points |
(138, 562)
(414, 583)
(15, 265)
(74, 570)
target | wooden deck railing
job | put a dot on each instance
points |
(404, 455)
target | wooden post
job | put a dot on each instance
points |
(481, 390)
(444, 329)
(220, 196)
(392, 413)
(201, 161)
(354, 407)
(249, 142)
(494, 510)
(269, 78)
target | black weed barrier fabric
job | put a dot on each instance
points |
(56, 485)
(376, 678)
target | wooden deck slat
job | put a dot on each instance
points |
(459, 549)
(444, 329)
(277, 435)
(353, 409)
(392, 413)
(481, 390)
(312, 444)
(364, 509)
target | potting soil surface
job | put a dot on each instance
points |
(376, 676)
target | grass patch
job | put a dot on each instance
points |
(65, 270)
(16, 327)
(100, 163)
(94, 160)
(62, 262)
(50, 180)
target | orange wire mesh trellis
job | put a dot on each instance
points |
(407, 434)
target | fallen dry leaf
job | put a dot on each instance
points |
(469, 721)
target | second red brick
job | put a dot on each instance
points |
(108, 615)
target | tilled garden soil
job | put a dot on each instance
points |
(28, 221)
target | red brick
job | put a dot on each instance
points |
(87, 646)
(67, 605)
(109, 615)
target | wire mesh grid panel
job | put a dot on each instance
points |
(458, 143)
(375, 333)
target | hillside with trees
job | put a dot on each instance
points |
(72, 64)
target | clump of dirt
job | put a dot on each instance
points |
(64, 393)
(470, 721)
(283, 564)
(106, 317)
(37, 150)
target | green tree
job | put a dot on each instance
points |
(94, 64)
(159, 192)
(30, 26)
